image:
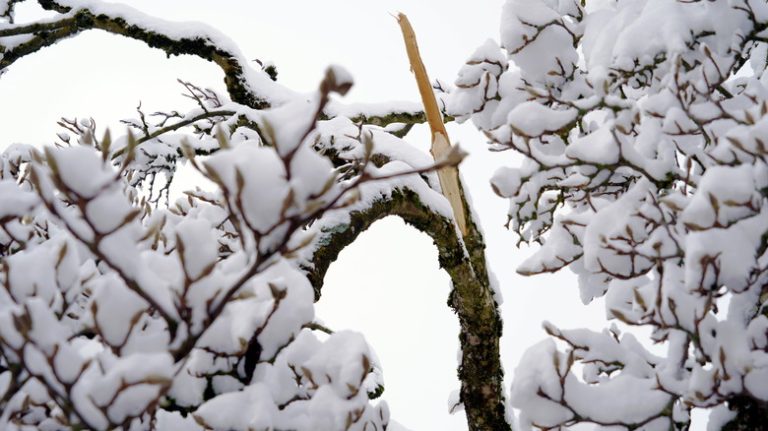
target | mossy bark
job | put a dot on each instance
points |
(480, 370)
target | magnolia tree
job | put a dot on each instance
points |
(643, 127)
(644, 172)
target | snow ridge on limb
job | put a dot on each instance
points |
(245, 85)
(642, 129)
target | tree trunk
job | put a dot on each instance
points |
(480, 371)
(751, 414)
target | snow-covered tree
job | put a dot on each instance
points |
(120, 309)
(643, 125)
(640, 124)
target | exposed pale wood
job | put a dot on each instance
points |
(441, 144)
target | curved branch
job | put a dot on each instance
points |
(472, 299)
(239, 78)
(245, 85)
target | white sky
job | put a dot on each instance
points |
(387, 285)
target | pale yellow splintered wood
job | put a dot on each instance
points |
(441, 145)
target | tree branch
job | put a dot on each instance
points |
(236, 70)
(184, 123)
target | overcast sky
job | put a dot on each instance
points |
(388, 284)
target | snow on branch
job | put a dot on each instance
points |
(245, 85)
